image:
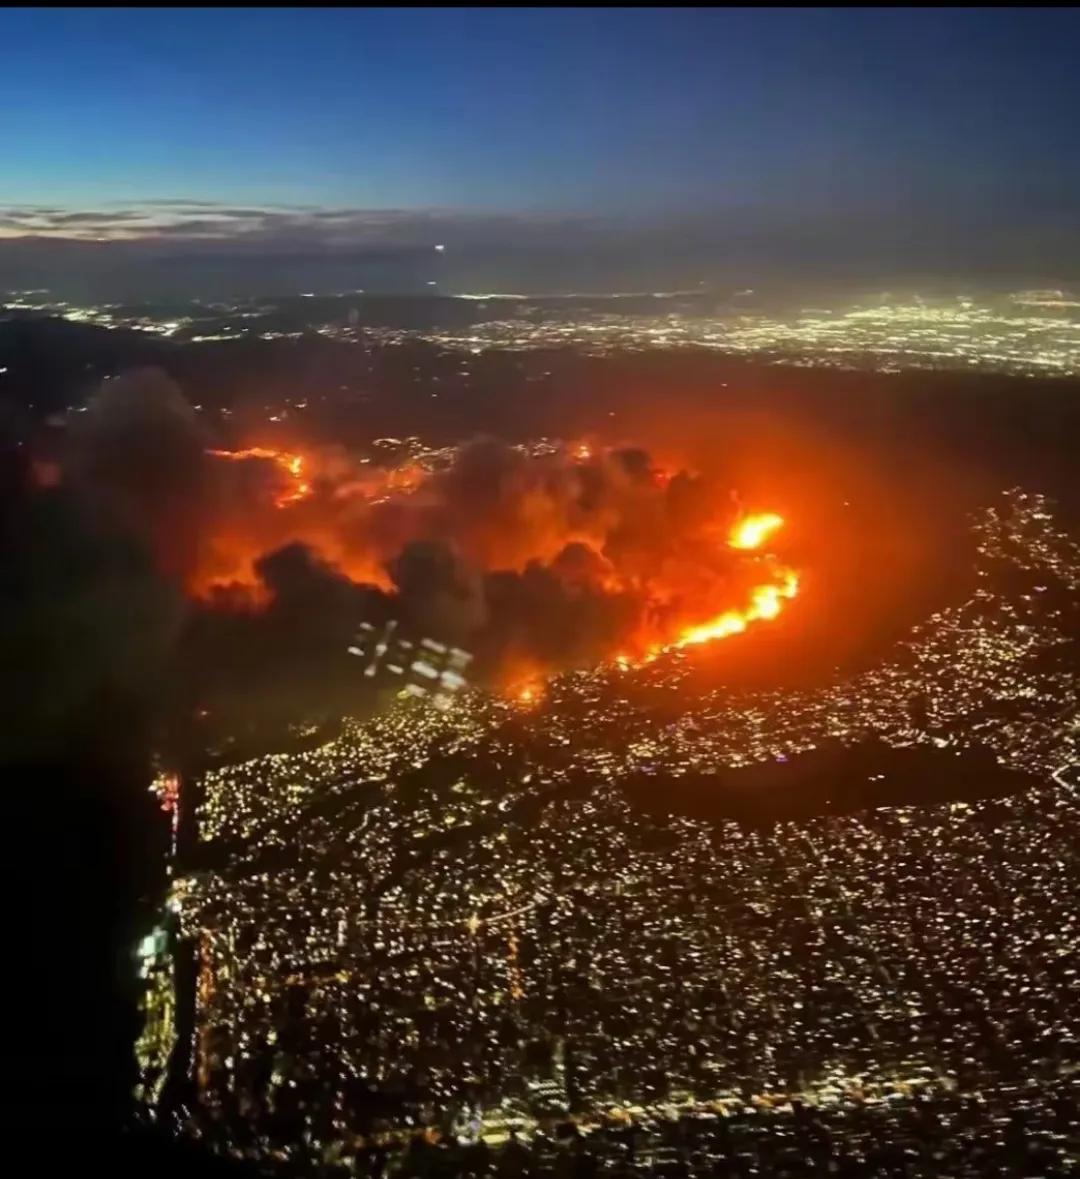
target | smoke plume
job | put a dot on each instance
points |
(535, 559)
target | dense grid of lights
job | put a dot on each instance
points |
(1034, 333)
(460, 910)
(1032, 338)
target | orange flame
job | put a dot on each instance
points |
(766, 600)
(291, 464)
(232, 558)
(526, 694)
(752, 531)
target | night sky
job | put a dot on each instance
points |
(930, 141)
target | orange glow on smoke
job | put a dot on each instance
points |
(233, 548)
(766, 600)
(291, 464)
(357, 517)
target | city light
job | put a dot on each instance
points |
(452, 873)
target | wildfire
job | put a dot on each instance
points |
(291, 464)
(525, 694)
(766, 600)
(752, 531)
(530, 519)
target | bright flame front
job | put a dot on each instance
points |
(751, 532)
(766, 600)
(766, 603)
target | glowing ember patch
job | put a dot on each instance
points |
(752, 531)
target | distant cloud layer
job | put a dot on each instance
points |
(187, 246)
(155, 222)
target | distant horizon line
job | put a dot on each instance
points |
(1063, 296)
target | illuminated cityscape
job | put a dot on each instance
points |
(541, 591)
(1022, 336)
(457, 919)
(1028, 333)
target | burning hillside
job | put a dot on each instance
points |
(668, 562)
(535, 558)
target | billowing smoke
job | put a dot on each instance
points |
(88, 623)
(535, 561)
(438, 594)
(137, 458)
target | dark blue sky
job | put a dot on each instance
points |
(777, 123)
